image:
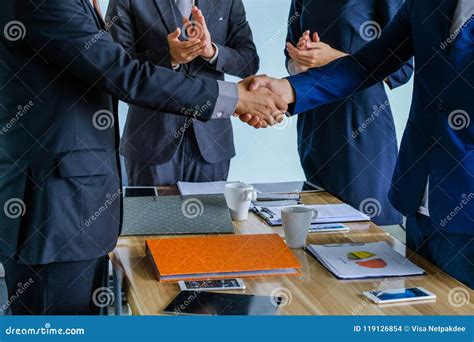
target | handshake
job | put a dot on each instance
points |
(263, 101)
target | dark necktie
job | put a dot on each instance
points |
(462, 50)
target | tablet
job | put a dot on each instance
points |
(222, 304)
(140, 191)
(287, 187)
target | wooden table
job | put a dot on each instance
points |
(317, 292)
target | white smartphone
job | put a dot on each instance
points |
(399, 295)
(212, 285)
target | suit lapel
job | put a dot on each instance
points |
(444, 20)
(168, 12)
(204, 6)
(98, 19)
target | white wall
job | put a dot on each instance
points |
(271, 155)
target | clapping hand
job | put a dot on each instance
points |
(183, 52)
(310, 52)
(197, 29)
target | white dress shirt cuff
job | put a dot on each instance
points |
(227, 101)
(213, 60)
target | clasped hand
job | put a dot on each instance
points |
(263, 101)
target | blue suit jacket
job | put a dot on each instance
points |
(442, 96)
(340, 147)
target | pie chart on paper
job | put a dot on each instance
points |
(359, 255)
(374, 263)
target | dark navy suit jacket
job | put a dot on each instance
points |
(151, 136)
(61, 76)
(350, 147)
(435, 142)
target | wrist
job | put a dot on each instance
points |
(288, 93)
(210, 51)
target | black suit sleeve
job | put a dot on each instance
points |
(238, 57)
(294, 27)
(387, 9)
(122, 28)
(65, 34)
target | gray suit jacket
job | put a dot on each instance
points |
(142, 28)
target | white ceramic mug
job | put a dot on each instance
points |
(296, 222)
(238, 197)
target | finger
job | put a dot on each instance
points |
(280, 104)
(175, 35)
(245, 118)
(190, 44)
(316, 37)
(316, 45)
(255, 120)
(200, 18)
(279, 118)
(293, 51)
(195, 48)
(259, 82)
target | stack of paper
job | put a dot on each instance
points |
(359, 261)
(327, 213)
(204, 188)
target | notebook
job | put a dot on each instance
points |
(364, 260)
(327, 213)
(220, 257)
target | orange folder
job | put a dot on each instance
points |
(222, 256)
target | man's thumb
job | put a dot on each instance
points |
(175, 35)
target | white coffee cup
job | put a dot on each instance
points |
(238, 197)
(296, 222)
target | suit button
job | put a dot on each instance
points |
(219, 115)
(443, 107)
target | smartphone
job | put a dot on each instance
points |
(399, 295)
(212, 285)
(140, 191)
